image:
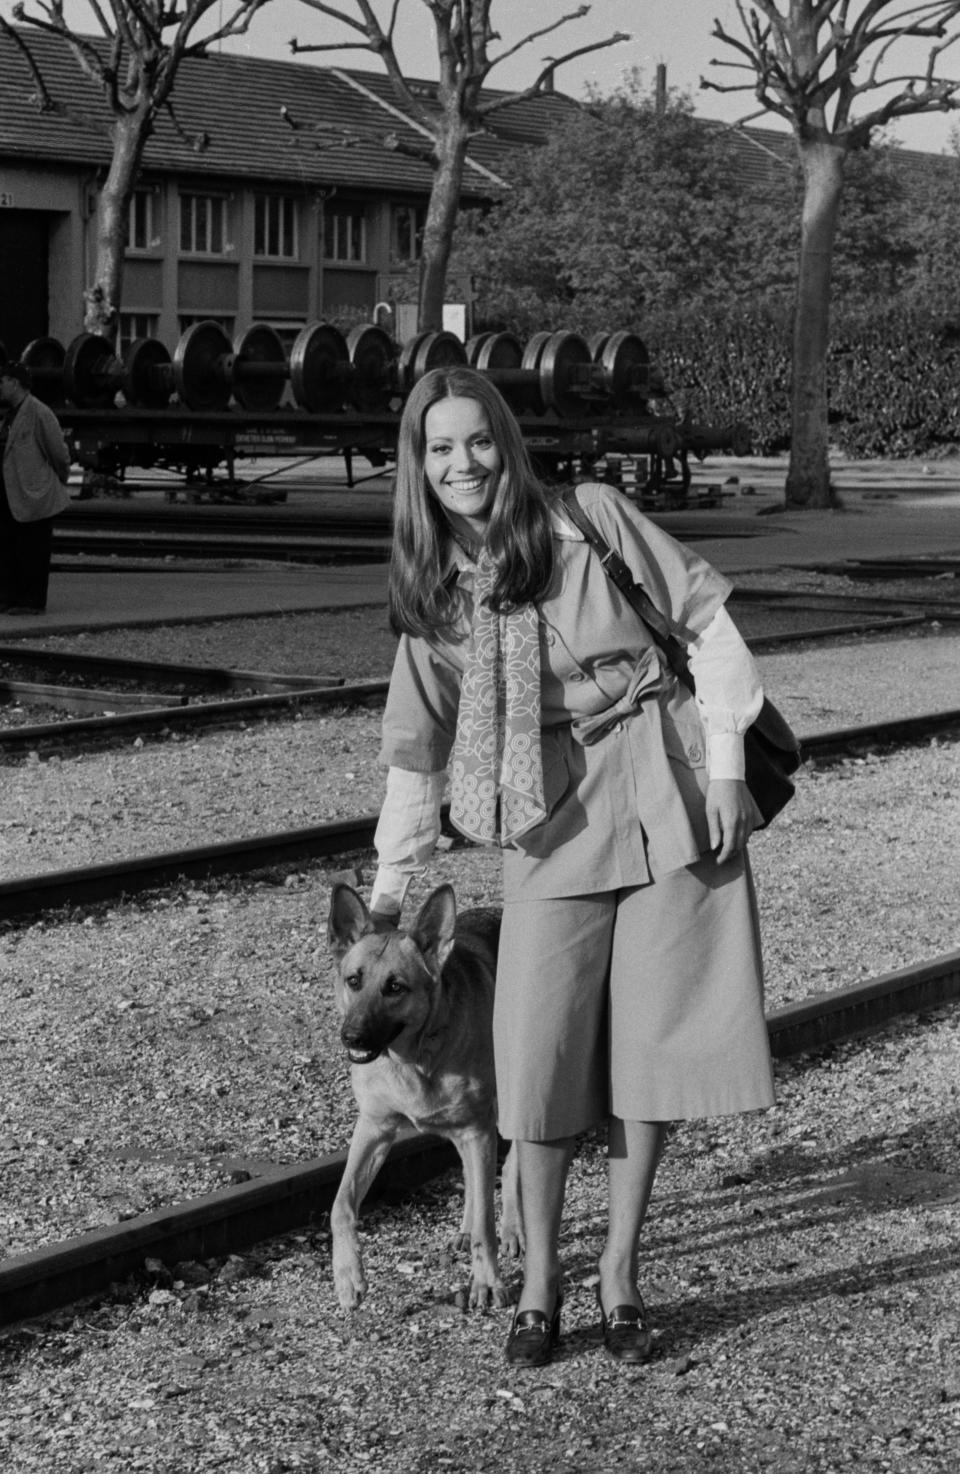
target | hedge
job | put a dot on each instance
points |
(893, 378)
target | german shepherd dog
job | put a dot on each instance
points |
(417, 1010)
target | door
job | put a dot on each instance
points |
(24, 258)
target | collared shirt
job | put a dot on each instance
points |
(627, 806)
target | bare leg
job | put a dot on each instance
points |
(633, 1157)
(543, 1180)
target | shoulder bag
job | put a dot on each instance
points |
(771, 750)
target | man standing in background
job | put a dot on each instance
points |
(34, 467)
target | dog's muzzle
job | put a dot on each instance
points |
(363, 1048)
(363, 1056)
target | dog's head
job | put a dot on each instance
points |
(387, 981)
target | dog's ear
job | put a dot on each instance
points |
(433, 929)
(349, 919)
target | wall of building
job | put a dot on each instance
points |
(169, 284)
(165, 288)
(49, 207)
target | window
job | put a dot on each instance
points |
(287, 332)
(345, 235)
(406, 233)
(275, 226)
(189, 320)
(135, 325)
(142, 221)
(203, 225)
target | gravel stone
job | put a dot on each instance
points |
(799, 1264)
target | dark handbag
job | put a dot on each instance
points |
(771, 750)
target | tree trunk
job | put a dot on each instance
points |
(439, 227)
(102, 297)
(808, 477)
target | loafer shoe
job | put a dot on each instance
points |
(533, 1336)
(626, 1336)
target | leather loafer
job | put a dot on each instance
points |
(533, 1336)
(626, 1336)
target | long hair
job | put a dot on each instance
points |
(518, 535)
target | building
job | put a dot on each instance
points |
(274, 192)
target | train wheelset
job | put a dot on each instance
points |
(583, 405)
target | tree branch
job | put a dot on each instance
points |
(351, 137)
(199, 142)
(577, 14)
(339, 15)
(484, 110)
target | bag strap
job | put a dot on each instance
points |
(634, 593)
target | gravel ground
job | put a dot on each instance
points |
(208, 1011)
(807, 1318)
(800, 1268)
(157, 793)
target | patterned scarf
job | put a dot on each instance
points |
(497, 771)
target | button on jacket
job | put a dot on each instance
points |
(627, 803)
(36, 463)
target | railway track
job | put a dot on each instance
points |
(94, 884)
(227, 1221)
(323, 530)
(111, 698)
(149, 696)
(332, 547)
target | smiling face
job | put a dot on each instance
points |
(462, 463)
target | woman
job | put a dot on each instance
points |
(629, 985)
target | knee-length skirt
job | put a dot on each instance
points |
(644, 1003)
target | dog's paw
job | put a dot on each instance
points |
(350, 1283)
(512, 1241)
(482, 1295)
(459, 1243)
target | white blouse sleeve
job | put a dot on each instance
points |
(729, 693)
(407, 833)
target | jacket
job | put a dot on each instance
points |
(36, 463)
(651, 766)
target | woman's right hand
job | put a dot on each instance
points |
(732, 816)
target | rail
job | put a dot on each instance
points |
(233, 1218)
(93, 884)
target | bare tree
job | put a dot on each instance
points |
(463, 36)
(133, 63)
(825, 67)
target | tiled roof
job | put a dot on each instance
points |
(234, 101)
(518, 124)
(765, 153)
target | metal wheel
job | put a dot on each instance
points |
(562, 356)
(203, 367)
(91, 372)
(626, 369)
(147, 374)
(531, 362)
(318, 368)
(44, 358)
(372, 386)
(259, 368)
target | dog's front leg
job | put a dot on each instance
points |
(478, 1152)
(511, 1209)
(368, 1150)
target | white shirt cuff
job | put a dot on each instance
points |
(725, 755)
